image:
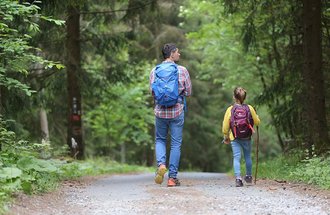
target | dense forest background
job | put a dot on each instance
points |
(74, 75)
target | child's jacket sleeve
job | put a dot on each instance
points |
(226, 124)
(255, 117)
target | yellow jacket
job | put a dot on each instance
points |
(226, 122)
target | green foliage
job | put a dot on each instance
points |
(6, 137)
(123, 117)
(16, 29)
(20, 167)
(220, 64)
(314, 170)
(21, 62)
(202, 146)
(10, 173)
(23, 170)
(98, 166)
(217, 47)
(115, 46)
(254, 44)
(278, 168)
(271, 32)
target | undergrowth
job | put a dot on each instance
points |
(30, 168)
(314, 170)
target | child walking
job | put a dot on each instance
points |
(237, 129)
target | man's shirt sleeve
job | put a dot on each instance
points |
(188, 87)
(151, 80)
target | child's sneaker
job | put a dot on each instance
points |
(248, 179)
(239, 183)
(172, 182)
(159, 177)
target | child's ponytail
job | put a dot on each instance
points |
(240, 94)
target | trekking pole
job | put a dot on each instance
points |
(257, 157)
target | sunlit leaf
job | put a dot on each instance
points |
(9, 173)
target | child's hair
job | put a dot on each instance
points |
(240, 94)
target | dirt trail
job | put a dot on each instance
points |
(200, 193)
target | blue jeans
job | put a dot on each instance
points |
(236, 146)
(175, 126)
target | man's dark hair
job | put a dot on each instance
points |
(168, 49)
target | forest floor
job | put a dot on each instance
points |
(199, 193)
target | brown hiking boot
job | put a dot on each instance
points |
(173, 182)
(159, 177)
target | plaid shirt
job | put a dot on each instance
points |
(184, 89)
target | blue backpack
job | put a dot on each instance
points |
(166, 84)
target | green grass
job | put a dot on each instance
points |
(99, 166)
(278, 168)
(291, 168)
(314, 170)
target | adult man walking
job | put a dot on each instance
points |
(168, 77)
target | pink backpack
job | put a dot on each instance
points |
(241, 122)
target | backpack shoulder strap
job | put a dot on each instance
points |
(234, 106)
(249, 117)
(246, 107)
(157, 68)
(166, 66)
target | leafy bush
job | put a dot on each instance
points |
(17, 26)
(314, 170)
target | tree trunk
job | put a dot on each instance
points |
(74, 139)
(123, 153)
(44, 125)
(313, 81)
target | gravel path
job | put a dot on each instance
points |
(200, 193)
